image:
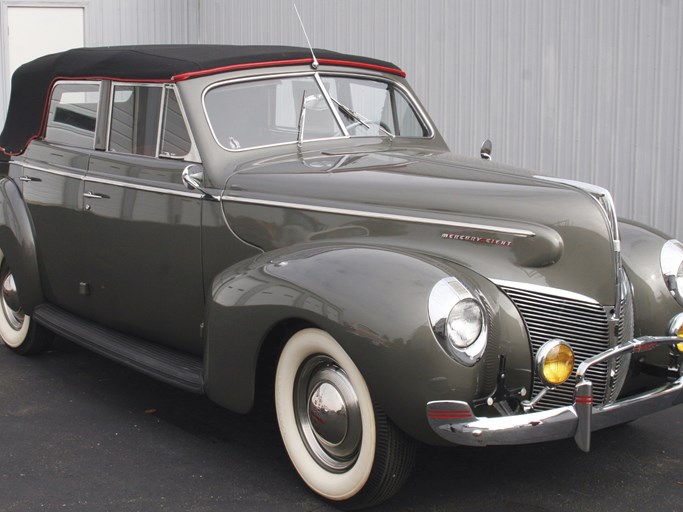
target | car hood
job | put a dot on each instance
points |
(502, 222)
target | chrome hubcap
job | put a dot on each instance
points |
(10, 303)
(328, 414)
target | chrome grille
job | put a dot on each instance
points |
(584, 325)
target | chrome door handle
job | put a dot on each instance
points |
(92, 195)
(28, 178)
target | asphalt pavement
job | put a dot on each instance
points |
(81, 433)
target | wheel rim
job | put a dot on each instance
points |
(328, 413)
(10, 303)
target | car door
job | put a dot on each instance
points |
(141, 225)
(53, 169)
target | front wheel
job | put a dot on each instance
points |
(16, 329)
(341, 444)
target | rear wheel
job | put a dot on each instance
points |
(16, 329)
(341, 444)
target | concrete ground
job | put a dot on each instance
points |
(80, 433)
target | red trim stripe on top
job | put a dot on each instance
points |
(291, 62)
(204, 72)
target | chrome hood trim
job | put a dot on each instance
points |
(383, 216)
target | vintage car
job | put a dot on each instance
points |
(238, 220)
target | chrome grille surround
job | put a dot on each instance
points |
(585, 325)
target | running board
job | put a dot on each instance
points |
(168, 365)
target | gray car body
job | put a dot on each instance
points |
(348, 235)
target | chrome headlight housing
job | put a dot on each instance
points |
(459, 320)
(671, 261)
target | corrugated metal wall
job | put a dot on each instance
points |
(584, 89)
(589, 90)
(111, 22)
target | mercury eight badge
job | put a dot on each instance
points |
(242, 221)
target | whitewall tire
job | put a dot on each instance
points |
(336, 438)
(16, 329)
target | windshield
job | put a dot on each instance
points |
(266, 112)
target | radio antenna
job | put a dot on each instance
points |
(314, 64)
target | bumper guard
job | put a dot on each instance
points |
(454, 420)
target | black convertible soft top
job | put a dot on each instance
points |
(31, 83)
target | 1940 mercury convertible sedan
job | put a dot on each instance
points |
(227, 218)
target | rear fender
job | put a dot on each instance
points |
(18, 245)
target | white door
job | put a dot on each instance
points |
(36, 31)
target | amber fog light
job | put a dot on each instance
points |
(676, 329)
(554, 362)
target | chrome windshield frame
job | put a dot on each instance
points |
(410, 98)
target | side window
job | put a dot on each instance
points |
(409, 124)
(135, 119)
(175, 139)
(72, 117)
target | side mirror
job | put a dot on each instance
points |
(486, 148)
(192, 177)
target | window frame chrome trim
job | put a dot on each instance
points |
(363, 76)
(160, 124)
(191, 156)
(110, 115)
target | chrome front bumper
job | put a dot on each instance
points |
(454, 420)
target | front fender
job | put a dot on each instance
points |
(653, 305)
(18, 246)
(374, 303)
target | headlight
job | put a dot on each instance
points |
(465, 322)
(459, 321)
(671, 261)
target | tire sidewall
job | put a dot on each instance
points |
(10, 336)
(330, 485)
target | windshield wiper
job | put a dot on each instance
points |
(359, 118)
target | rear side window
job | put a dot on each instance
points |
(72, 117)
